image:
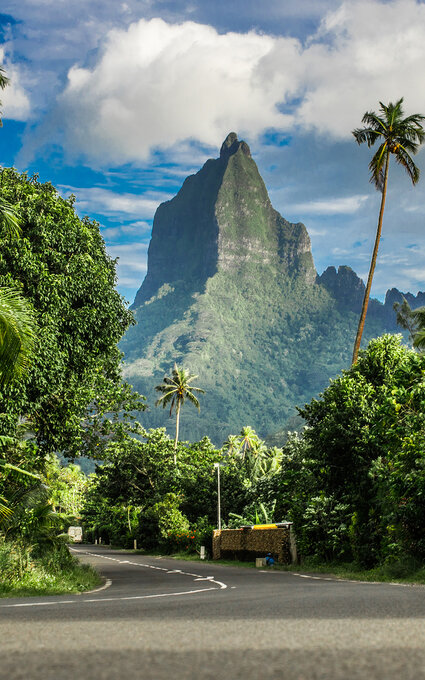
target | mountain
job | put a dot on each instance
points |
(231, 293)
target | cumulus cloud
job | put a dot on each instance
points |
(371, 51)
(157, 84)
(14, 99)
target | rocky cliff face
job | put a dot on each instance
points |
(222, 219)
(232, 294)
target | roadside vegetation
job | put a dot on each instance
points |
(352, 481)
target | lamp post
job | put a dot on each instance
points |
(217, 465)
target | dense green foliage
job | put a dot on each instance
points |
(62, 309)
(353, 482)
(17, 334)
(60, 265)
(140, 493)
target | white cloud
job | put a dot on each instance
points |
(415, 273)
(156, 84)
(139, 227)
(372, 51)
(132, 254)
(111, 232)
(132, 263)
(14, 99)
(330, 206)
(99, 200)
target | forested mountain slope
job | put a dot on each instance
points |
(232, 294)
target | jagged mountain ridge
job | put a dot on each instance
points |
(232, 293)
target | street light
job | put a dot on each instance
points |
(217, 465)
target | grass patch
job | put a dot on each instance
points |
(56, 572)
(407, 570)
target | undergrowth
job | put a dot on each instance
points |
(25, 570)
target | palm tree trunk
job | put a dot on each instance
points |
(177, 431)
(372, 266)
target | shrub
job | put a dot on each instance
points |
(159, 520)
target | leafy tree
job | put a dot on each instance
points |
(397, 136)
(66, 487)
(60, 265)
(138, 473)
(175, 390)
(365, 436)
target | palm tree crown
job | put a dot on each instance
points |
(396, 136)
(175, 390)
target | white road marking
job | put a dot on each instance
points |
(107, 584)
(110, 599)
(196, 577)
(347, 580)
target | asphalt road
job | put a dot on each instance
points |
(162, 619)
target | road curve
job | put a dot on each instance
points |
(159, 619)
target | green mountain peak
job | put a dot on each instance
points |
(231, 294)
(222, 218)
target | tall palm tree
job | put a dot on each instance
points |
(175, 390)
(397, 136)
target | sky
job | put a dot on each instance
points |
(117, 102)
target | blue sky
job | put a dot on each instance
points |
(117, 102)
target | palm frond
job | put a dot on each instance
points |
(5, 511)
(9, 219)
(376, 166)
(404, 159)
(17, 334)
(193, 400)
(4, 80)
(419, 340)
(374, 122)
(367, 135)
(8, 466)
